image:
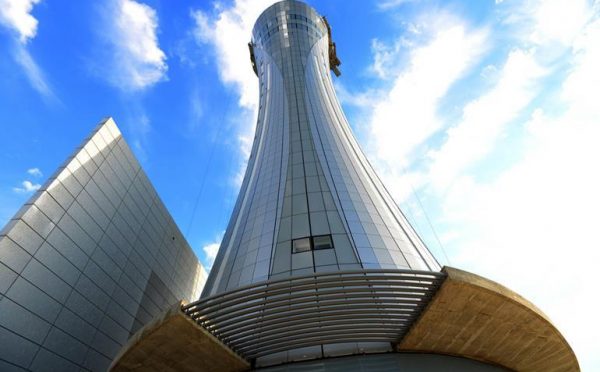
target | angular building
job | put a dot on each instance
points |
(92, 257)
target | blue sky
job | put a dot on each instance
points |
(481, 117)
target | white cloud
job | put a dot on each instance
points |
(558, 20)
(228, 32)
(388, 4)
(36, 172)
(406, 115)
(578, 90)
(210, 251)
(33, 72)
(366, 99)
(203, 31)
(485, 118)
(520, 80)
(551, 23)
(16, 16)
(27, 186)
(196, 109)
(137, 60)
(140, 126)
(385, 57)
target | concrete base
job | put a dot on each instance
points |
(476, 318)
(469, 317)
(174, 342)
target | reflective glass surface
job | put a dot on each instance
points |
(301, 245)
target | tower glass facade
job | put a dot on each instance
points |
(310, 201)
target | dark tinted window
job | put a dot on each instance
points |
(301, 245)
(322, 242)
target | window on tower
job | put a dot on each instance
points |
(301, 245)
(322, 242)
(312, 243)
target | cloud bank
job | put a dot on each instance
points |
(507, 172)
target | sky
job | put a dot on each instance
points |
(481, 117)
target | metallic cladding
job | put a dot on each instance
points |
(88, 260)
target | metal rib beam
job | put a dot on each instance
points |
(321, 308)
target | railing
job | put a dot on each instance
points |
(321, 308)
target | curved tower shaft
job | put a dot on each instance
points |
(310, 201)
